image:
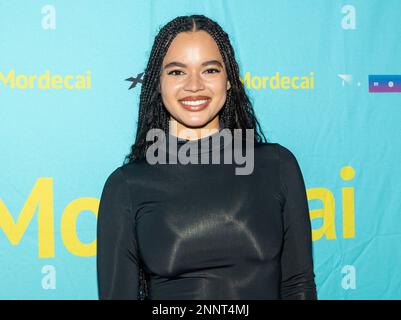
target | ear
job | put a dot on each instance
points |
(228, 85)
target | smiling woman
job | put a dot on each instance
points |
(179, 230)
(192, 58)
(192, 65)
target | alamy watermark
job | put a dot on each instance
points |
(237, 148)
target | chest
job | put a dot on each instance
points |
(207, 217)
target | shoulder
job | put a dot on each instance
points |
(276, 151)
(279, 157)
(285, 154)
(289, 169)
(128, 174)
(124, 171)
(115, 179)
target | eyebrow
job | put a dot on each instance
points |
(204, 64)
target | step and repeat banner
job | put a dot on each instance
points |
(325, 81)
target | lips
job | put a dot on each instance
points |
(194, 98)
(195, 103)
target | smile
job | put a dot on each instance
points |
(195, 105)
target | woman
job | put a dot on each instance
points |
(195, 230)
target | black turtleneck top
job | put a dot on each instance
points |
(201, 231)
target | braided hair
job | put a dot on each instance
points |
(237, 112)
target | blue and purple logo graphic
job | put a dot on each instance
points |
(384, 83)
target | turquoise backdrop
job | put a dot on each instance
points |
(58, 145)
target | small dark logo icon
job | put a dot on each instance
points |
(135, 80)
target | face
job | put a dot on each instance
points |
(193, 81)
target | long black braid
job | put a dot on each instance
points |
(237, 112)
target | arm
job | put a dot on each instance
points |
(117, 268)
(297, 282)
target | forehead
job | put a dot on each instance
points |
(193, 47)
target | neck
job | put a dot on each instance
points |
(181, 131)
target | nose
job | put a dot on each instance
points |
(194, 83)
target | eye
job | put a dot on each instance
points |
(217, 71)
(173, 72)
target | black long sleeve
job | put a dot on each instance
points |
(202, 232)
(296, 261)
(117, 260)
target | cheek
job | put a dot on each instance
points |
(169, 89)
(221, 95)
(220, 90)
(218, 86)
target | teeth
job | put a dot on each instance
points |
(194, 103)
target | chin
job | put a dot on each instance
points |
(194, 122)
